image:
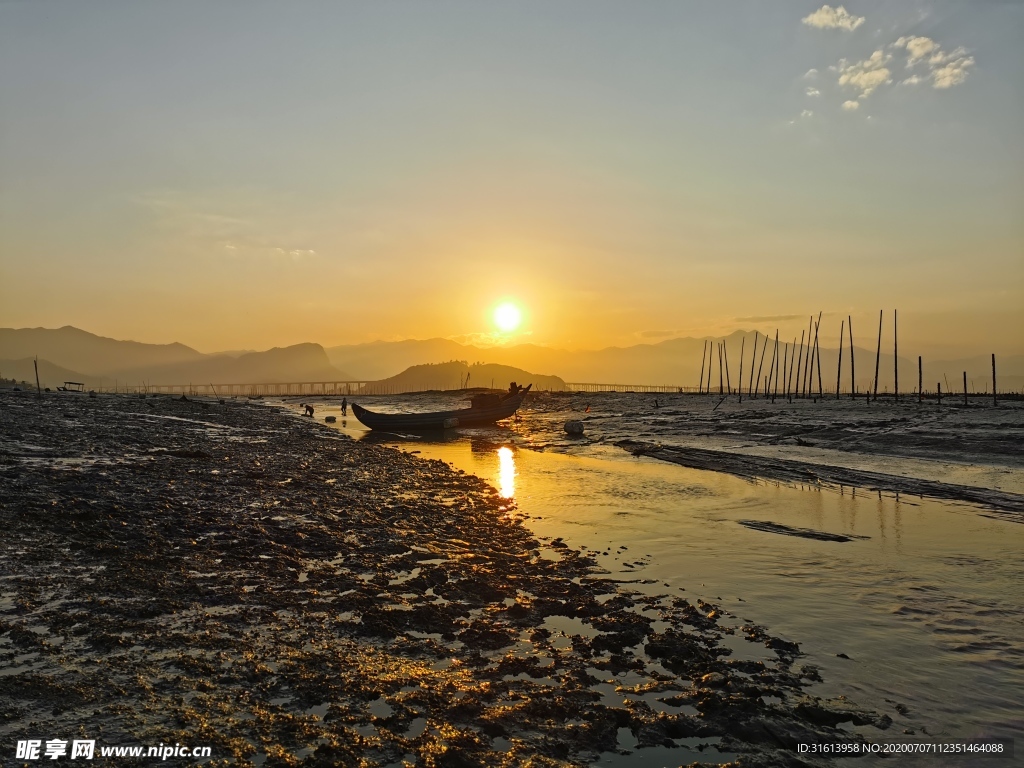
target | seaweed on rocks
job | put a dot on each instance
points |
(221, 573)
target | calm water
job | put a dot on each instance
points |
(928, 607)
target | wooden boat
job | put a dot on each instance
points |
(484, 409)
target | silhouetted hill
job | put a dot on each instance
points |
(86, 352)
(457, 375)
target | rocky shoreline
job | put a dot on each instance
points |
(223, 573)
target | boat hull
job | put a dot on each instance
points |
(428, 422)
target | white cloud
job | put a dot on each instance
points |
(917, 48)
(945, 69)
(952, 74)
(813, 92)
(828, 17)
(866, 75)
(811, 74)
(849, 106)
(807, 113)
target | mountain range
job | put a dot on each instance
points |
(69, 353)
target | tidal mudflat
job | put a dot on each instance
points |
(907, 601)
(232, 575)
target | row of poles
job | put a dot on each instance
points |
(808, 365)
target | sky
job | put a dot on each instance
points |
(241, 175)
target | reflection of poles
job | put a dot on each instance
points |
(839, 368)
(700, 386)
(878, 354)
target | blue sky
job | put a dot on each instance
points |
(233, 174)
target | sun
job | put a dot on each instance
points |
(507, 317)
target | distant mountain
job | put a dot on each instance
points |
(457, 375)
(50, 375)
(300, 362)
(380, 359)
(88, 353)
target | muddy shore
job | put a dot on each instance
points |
(225, 574)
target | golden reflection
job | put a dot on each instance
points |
(506, 473)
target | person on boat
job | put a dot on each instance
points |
(344, 406)
(513, 388)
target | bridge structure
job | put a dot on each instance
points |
(354, 387)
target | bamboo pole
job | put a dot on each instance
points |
(938, 388)
(965, 387)
(920, 379)
(895, 360)
(839, 368)
(995, 399)
(788, 376)
(799, 360)
(739, 383)
(817, 353)
(728, 382)
(878, 354)
(775, 359)
(711, 365)
(720, 383)
(700, 387)
(804, 384)
(785, 366)
(853, 372)
(39, 390)
(763, 349)
(753, 357)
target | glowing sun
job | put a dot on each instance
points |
(507, 317)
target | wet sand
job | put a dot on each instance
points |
(227, 574)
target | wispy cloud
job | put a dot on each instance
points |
(828, 17)
(768, 318)
(811, 74)
(850, 106)
(867, 75)
(812, 92)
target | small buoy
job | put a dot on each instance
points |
(330, 419)
(574, 427)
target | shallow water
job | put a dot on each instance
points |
(927, 608)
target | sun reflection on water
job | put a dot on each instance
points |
(506, 473)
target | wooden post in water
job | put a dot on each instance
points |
(739, 384)
(763, 348)
(800, 358)
(920, 380)
(703, 355)
(878, 354)
(938, 389)
(839, 368)
(965, 387)
(39, 390)
(807, 385)
(895, 360)
(771, 368)
(720, 381)
(853, 373)
(817, 354)
(775, 359)
(789, 377)
(995, 400)
(728, 382)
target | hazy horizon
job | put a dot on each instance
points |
(234, 177)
